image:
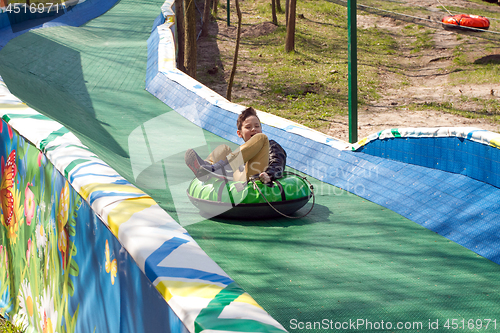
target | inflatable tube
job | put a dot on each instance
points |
(240, 200)
(464, 20)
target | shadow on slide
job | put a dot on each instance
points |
(49, 78)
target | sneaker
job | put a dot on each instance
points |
(196, 163)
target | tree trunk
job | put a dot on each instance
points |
(206, 18)
(290, 28)
(278, 6)
(190, 28)
(235, 59)
(216, 6)
(181, 39)
(287, 5)
(273, 9)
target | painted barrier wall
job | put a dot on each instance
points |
(62, 269)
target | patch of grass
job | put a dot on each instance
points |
(8, 327)
(483, 109)
(423, 38)
(424, 41)
(470, 66)
(476, 73)
(263, 8)
(310, 85)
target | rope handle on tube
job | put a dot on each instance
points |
(311, 187)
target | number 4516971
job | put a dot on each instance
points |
(470, 324)
(32, 8)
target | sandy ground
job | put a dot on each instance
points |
(427, 77)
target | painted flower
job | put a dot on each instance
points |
(48, 315)
(7, 189)
(40, 156)
(41, 238)
(62, 244)
(111, 266)
(29, 204)
(28, 252)
(62, 212)
(24, 316)
(62, 220)
(18, 216)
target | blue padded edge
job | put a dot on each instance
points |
(75, 16)
(160, 19)
(453, 154)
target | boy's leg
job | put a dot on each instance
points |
(218, 154)
(254, 153)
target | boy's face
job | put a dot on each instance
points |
(249, 128)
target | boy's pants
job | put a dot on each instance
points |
(254, 154)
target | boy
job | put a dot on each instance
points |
(259, 155)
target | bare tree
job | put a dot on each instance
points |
(190, 34)
(179, 17)
(216, 6)
(273, 9)
(287, 5)
(235, 59)
(290, 28)
(278, 6)
(206, 18)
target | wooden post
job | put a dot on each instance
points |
(235, 59)
(273, 10)
(206, 18)
(290, 28)
(190, 28)
(181, 40)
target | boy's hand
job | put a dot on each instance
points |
(264, 177)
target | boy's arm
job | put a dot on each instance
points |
(277, 160)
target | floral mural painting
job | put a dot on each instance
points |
(8, 192)
(37, 250)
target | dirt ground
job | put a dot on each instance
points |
(427, 76)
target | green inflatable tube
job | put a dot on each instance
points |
(241, 200)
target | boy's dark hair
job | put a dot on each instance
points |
(248, 112)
